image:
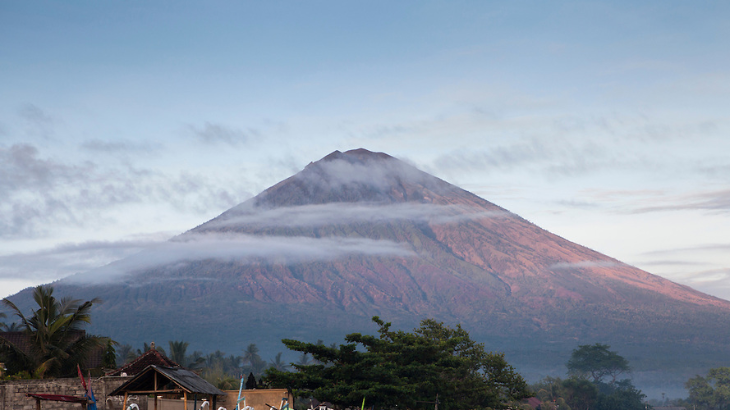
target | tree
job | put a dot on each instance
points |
(597, 362)
(109, 361)
(711, 392)
(409, 370)
(56, 341)
(178, 349)
(125, 354)
(251, 353)
(279, 364)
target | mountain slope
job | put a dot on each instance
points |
(360, 233)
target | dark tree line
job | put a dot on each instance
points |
(434, 363)
(593, 383)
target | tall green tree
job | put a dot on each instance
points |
(409, 370)
(711, 392)
(597, 362)
(56, 343)
(178, 349)
(251, 354)
(278, 363)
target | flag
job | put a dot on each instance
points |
(92, 400)
(81, 376)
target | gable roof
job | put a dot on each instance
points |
(169, 380)
(148, 358)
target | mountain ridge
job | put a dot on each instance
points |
(358, 234)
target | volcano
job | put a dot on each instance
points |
(358, 234)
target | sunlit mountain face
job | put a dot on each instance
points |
(358, 234)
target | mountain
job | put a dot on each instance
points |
(358, 234)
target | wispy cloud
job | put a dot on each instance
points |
(348, 213)
(38, 192)
(115, 147)
(211, 133)
(38, 122)
(243, 249)
(69, 258)
(710, 247)
(715, 200)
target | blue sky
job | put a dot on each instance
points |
(122, 124)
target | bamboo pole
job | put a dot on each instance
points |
(155, 390)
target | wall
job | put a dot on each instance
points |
(12, 393)
(256, 398)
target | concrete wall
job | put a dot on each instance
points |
(12, 393)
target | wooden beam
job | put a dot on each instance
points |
(154, 391)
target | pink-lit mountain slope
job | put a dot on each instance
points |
(358, 234)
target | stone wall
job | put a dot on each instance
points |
(13, 393)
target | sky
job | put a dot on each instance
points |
(123, 124)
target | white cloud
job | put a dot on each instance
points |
(242, 249)
(347, 213)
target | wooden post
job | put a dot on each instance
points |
(38, 404)
(155, 390)
(124, 405)
(185, 400)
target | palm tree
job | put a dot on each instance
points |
(304, 360)
(56, 342)
(125, 354)
(279, 364)
(177, 351)
(251, 354)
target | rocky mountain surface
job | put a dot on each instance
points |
(358, 234)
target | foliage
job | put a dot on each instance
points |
(278, 363)
(580, 393)
(57, 343)
(711, 392)
(410, 370)
(597, 362)
(109, 361)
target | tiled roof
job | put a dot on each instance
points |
(184, 379)
(150, 357)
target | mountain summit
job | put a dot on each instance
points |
(360, 233)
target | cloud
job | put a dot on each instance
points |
(713, 247)
(554, 157)
(374, 174)
(41, 192)
(349, 213)
(216, 133)
(242, 249)
(115, 147)
(69, 258)
(715, 200)
(40, 123)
